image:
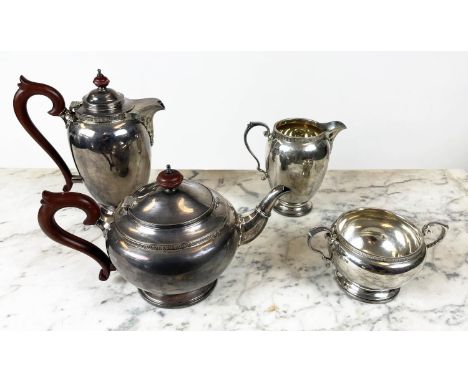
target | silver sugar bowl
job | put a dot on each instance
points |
(172, 239)
(110, 137)
(375, 252)
(297, 155)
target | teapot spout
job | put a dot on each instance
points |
(144, 110)
(253, 222)
(332, 129)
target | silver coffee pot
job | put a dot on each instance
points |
(110, 137)
(297, 155)
(172, 239)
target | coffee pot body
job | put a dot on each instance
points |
(110, 137)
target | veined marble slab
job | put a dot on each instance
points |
(273, 283)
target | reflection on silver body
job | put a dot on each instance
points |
(375, 252)
(173, 244)
(297, 154)
(110, 138)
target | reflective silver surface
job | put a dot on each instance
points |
(110, 138)
(297, 155)
(174, 244)
(175, 301)
(375, 252)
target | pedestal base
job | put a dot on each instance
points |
(181, 300)
(293, 209)
(360, 293)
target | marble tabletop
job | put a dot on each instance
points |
(273, 283)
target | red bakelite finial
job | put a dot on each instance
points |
(101, 81)
(169, 178)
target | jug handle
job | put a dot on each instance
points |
(426, 229)
(27, 89)
(55, 201)
(266, 134)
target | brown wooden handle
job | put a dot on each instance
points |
(53, 202)
(27, 89)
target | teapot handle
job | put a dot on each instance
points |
(55, 201)
(27, 89)
(266, 133)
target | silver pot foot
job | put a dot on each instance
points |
(293, 209)
(182, 300)
(362, 294)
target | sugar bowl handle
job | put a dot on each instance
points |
(53, 202)
(426, 229)
(266, 133)
(27, 89)
(314, 231)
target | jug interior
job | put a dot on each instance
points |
(379, 233)
(298, 128)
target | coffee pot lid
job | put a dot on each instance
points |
(169, 202)
(103, 101)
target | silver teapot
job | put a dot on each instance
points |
(172, 239)
(110, 137)
(297, 155)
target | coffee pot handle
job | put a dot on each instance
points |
(53, 202)
(426, 229)
(314, 231)
(27, 89)
(266, 134)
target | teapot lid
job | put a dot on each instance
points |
(169, 202)
(103, 101)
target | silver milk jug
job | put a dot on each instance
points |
(110, 137)
(297, 154)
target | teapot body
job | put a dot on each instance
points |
(113, 158)
(182, 263)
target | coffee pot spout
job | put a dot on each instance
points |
(144, 110)
(253, 222)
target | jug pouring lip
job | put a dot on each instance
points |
(306, 130)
